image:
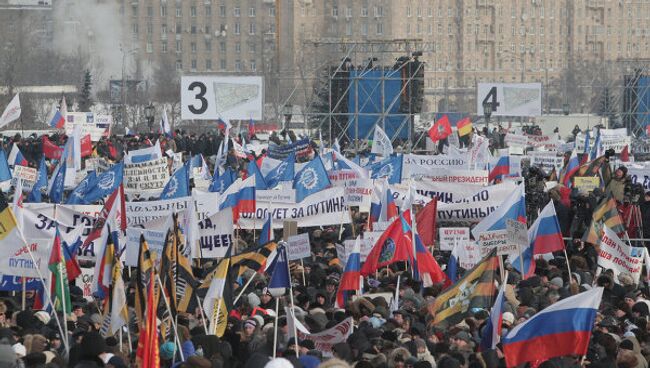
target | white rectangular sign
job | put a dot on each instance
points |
(496, 239)
(209, 97)
(25, 173)
(620, 257)
(546, 161)
(517, 232)
(298, 247)
(510, 99)
(476, 207)
(146, 179)
(516, 140)
(451, 236)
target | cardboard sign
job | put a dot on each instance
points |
(517, 232)
(451, 236)
(496, 239)
(25, 173)
(469, 254)
(298, 247)
(586, 184)
(85, 282)
(516, 140)
(620, 257)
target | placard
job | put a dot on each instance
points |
(620, 257)
(546, 161)
(510, 99)
(516, 140)
(146, 179)
(298, 247)
(496, 239)
(517, 232)
(25, 173)
(586, 183)
(452, 236)
(85, 283)
(210, 97)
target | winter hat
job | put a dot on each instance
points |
(167, 350)
(557, 281)
(42, 316)
(250, 322)
(20, 349)
(508, 318)
(279, 363)
(253, 300)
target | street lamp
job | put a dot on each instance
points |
(487, 112)
(149, 113)
(288, 114)
(565, 108)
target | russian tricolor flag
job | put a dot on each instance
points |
(544, 236)
(351, 278)
(562, 329)
(267, 232)
(240, 196)
(382, 205)
(514, 207)
(16, 157)
(571, 168)
(501, 169)
(57, 120)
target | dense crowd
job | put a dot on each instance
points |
(388, 336)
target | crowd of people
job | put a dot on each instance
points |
(384, 335)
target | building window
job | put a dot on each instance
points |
(222, 11)
(192, 11)
(252, 47)
(348, 12)
(222, 47)
(238, 47)
(380, 28)
(193, 28)
(163, 47)
(134, 28)
(149, 47)
(208, 45)
(252, 27)
(193, 64)
(149, 11)
(222, 64)
(419, 12)
(149, 28)
(237, 28)
(348, 29)
(364, 12)
(163, 29)
(193, 47)
(208, 10)
(179, 46)
(335, 11)
(238, 65)
(251, 12)
(207, 29)
(134, 10)
(379, 11)
(208, 64)
(408, 11)
(163, 10)
(179, 64)
(272, 11)
(179, 28)
(236, 11)
(253, 66)
(364, 29)
(179, 11)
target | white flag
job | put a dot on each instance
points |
(381, 144)
(12, 111)
(165, 128)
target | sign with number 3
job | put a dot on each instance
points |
(222, 97)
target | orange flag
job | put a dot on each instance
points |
(147, 355)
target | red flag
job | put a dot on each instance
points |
(426, 222)
(441, 129)
(625, 154)
(394, 245)
(111, 150)
(51, 150)
(147, 355)
(86, 146)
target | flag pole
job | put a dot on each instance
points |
(203, 315)
(162, 291)
(49, 298)
(244, 288)
(295, 332)
(24, 297)
(63, 306)
(275, 329)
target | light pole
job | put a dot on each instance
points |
(124, 54)
(487, 113)
(149, 114)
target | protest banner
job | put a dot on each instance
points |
(516, 140)
(92, 124)
(452, 236)
(618, 256)
(547, 142)
(16, 260)
(615, 139)
(423, 165)
(479, 177)
(85, 283)
(496, 239)
(325, 340)
(327, 207)
(284, 195)
(358, 191)
(279, 152)
(154, 232)
(477, 206)
(97, 163)
(443, 192)
(479, 152)
(25, 173)
(546, 161)
(143, 212)
(146, 179)
(298, 247)
(215, 235)
(586, 183)
(15, 283)
(368, 241)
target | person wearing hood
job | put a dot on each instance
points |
(632, 344)
(616, 186)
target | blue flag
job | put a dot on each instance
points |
(41, 182)
(5, 173)
(252, 169)
(390, 168)
(311, 179)
(78, 194)
(58, 180)
(279, 271)
(221, 182)
(179, 184)
(106, 183)
(283, 172)
(267, 232)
